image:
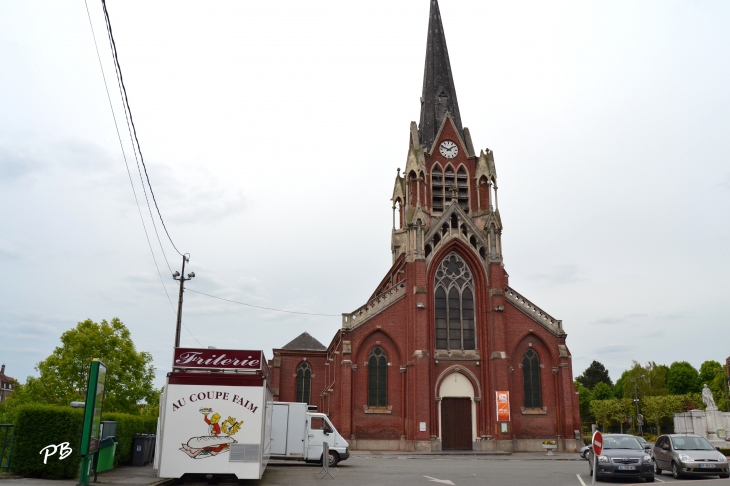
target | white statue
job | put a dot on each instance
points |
(707, 398)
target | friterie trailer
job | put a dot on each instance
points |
(216, 417)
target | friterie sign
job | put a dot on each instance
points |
(218, 359)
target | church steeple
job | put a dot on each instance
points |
(439, 93)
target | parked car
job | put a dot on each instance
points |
(622, 457)
(584, 450)
(688, 455)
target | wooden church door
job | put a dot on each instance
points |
(456, 423)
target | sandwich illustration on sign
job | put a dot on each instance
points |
(218, 440)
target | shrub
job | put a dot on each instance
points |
(725, 451)
(37, 426)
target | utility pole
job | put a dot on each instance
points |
(182, 279)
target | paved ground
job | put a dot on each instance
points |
(393, 468)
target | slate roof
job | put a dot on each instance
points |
(305, 342)
(439, 92)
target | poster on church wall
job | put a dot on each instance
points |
(503, 406)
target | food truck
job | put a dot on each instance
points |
(215, 414)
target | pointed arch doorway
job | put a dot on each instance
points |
(456, 413)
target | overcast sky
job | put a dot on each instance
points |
(272, 131)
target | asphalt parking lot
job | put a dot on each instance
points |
(404, 470)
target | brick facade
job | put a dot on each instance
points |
(442, 212)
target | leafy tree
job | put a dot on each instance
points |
(683, 378)
(595, 373)
(650, 380)
(602, 391)
(620, 411)
(584, 400)
(601, 409)
(708, 370)
(64, 374)
(657, 408)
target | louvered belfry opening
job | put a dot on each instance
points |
(531, 378)
(454, 305)
(377, 378)
(462, 183)
(437, 190)
(304, 383)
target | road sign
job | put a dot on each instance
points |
(597, 442)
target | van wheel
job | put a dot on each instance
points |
(333, 459)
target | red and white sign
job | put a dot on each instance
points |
(218, 359)
(597, 443)
(503, 406)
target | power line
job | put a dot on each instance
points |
(128, 109)
(129, 174)
(262, 307)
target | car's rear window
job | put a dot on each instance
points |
(691, 444)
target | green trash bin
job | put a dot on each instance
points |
(105, 454)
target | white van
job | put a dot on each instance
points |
(298, 434)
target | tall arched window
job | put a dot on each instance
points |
(454, 302)
(531, 378)
(377, 378)
(304, 383)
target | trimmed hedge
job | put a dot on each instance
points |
(37, 426)
(725, 451)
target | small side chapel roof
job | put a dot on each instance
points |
(305, 342)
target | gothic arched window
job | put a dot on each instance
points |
(304, 383)
(454, 302)
(531, 378)
(377, 378)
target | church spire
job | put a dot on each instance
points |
(439, 93)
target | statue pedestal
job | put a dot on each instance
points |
(715, 422)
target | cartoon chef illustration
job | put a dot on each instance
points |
(214, 428)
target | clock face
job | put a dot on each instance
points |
(448, 149)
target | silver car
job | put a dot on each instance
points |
(688, 455)
(622, 457)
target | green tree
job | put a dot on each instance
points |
(595, 373)
(64, 374)
(602, 391)
(683, 378)
(620, 411)
(656, 408)
(650, 380)
(584, 401)
(601, 410)
(708, 370)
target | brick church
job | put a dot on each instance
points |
(444, 355)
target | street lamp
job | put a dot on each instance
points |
(639, 418)
(182, 280)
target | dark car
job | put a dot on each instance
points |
(584, 450)
(688, 455)
(622, 457)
